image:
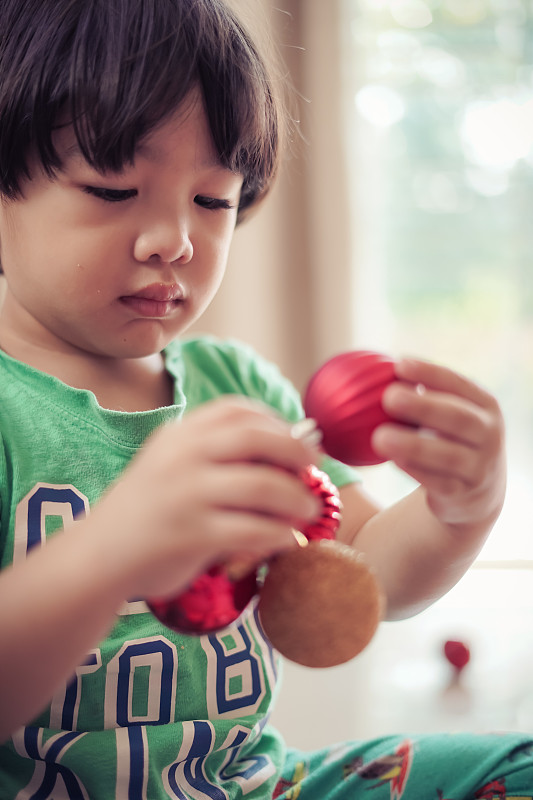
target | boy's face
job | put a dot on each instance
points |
(119, 264)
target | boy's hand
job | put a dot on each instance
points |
(224, 480)
(456, 450)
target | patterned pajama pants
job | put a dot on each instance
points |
(424, 767)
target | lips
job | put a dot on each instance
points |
(158, 300)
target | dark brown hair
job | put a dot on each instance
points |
(117, 69)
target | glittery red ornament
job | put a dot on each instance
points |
(214, 599)
(210, 603)
(325, 526)
(344, 397)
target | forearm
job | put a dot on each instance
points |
(223, 481)
(55, 605)
(416, 557)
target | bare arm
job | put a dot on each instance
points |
(223, 481)
(55, 606)
(422, 545)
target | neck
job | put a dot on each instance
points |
(122, 384)
(134, 384)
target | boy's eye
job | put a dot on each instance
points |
(212, 203)
(110, 195)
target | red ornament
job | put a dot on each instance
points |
(325, 526)
(214, 599)
(210, 603)
(344, 397)
(457, 653)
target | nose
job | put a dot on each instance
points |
(164, 241)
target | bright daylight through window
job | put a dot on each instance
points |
(439, 136)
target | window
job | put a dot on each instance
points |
(438, 118)
(439, 138)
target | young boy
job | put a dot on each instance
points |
(134, 134)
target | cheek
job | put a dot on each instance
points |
(9, 239)
(29, 240)
(208, 280)
(226, 238)
(215, 249)
(207, 277)
(220, 258)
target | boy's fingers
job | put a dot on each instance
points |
(423, 452)
(250, 444)
(443, 379)
(261, 489)
(451, 415)
(252, 536)
(234, 429)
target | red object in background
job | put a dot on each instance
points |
(344, 397)
(457, 653)
(214, 600)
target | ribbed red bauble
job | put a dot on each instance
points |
(344, 397)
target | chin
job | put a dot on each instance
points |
(133, 350)
(142, 342)
(116, 351)
(140, 345)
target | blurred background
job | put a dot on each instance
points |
(402, 222)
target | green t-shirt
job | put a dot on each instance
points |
(149, 714)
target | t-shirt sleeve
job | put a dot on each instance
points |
(214, 367)
(3, 490)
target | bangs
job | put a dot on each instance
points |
(116, 69)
